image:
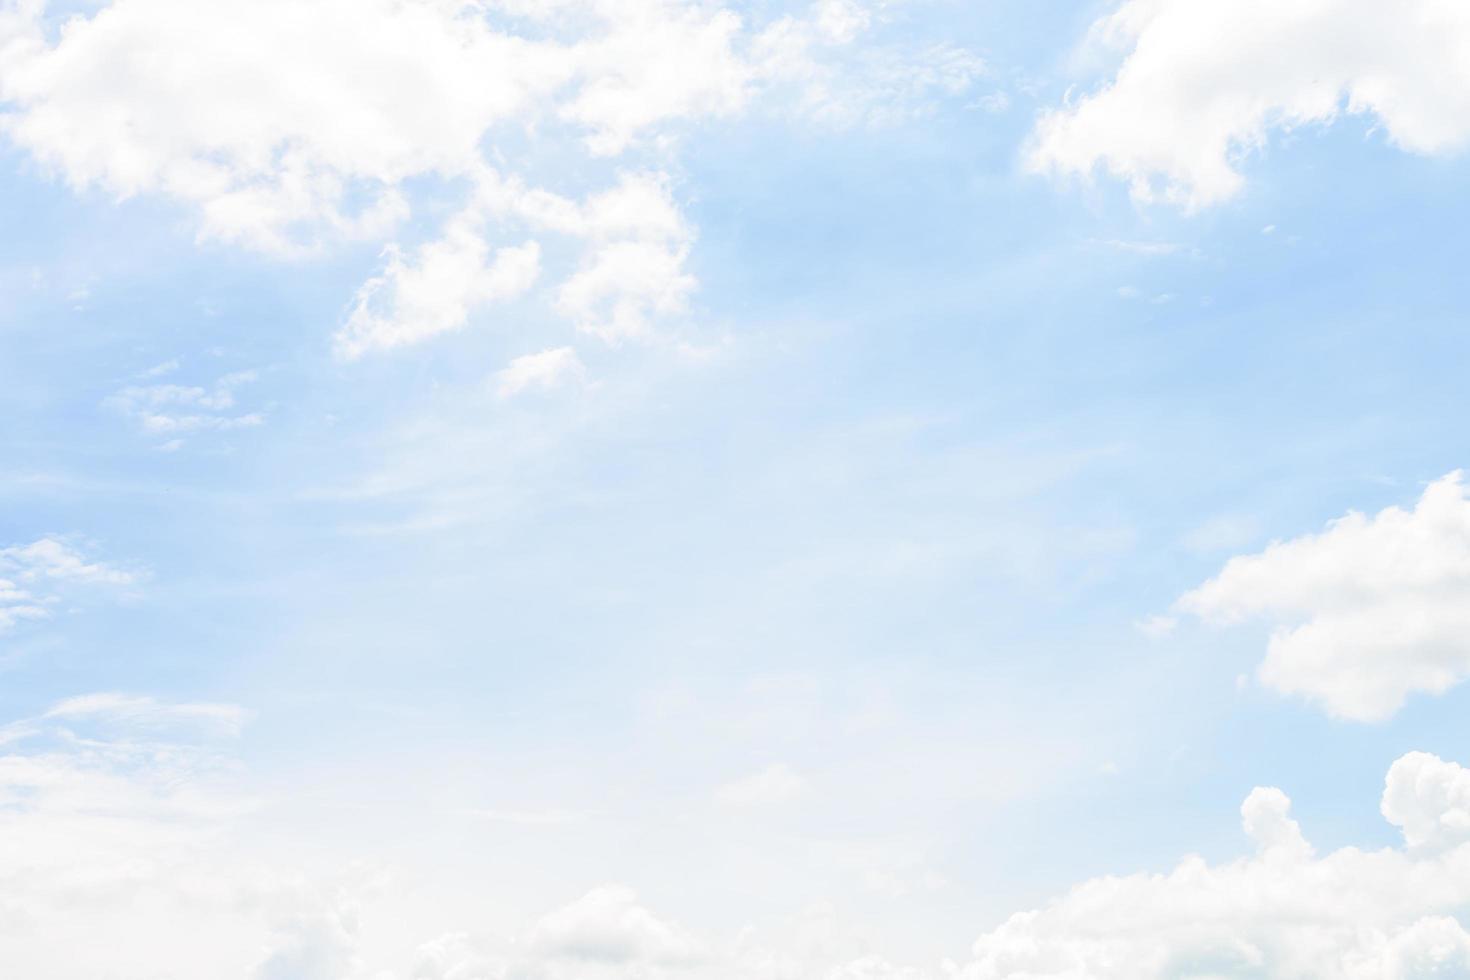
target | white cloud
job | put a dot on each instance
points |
(609, 926)
(1205, 82)
(127, 838)
(548, 369)
(35, 578)
(437, 291)
(635, 242)
(822, 75)
(1281, 912)
(1367, 612)
(1430, 799)
(147, 712)
(123, 839)
(271, 116)
(778, 783)
(120, 843)
(663, 60)
(286, 126)
(618, 292)
(53, 559)
(175, 410)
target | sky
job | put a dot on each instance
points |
(734, 490)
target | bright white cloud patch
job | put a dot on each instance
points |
(286, 126)
(1204, 82)
(436, 291)
(271, 117)
(128, 839)
(608, 926)
(1367, 612)
(1281, 912)
(125, 838)
(146, 713)
(548, 369)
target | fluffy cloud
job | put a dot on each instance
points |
(108, 809)
(1204, 82)
(270, 117)
(608, 926)
(436, 292)
(1281, 912)
(129, 840)
(126, 840)
(286, 126)
(632, 239)
(35, 578)
(1367, 612)
(1430, 799)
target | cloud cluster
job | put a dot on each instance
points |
(1366, 613)
(287, 126)
(631, 238)
(1204, 82)
(1280, 912)
(36, 578)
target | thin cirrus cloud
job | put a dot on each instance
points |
(37, 578)
(1365, 613)
(288, 127)
(173, 411)
(1203, 83)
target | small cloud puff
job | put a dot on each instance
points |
(551, 368)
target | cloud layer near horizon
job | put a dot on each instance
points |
(124, 819)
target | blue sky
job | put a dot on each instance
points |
(647, 488)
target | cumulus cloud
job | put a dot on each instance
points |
(1280, 912)
(1430, 799)
(634, 241)
(287, 126)
(1366, 613)
(123, 840)
(436, 291)
(271, 118)
(1205, 82)
(548, 369)
(609, 926)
